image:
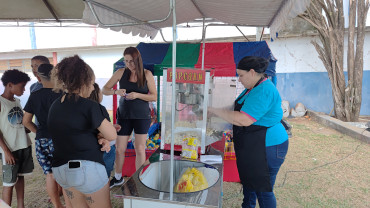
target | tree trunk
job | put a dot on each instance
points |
(362, 10)
(327, 17)
(350, 60)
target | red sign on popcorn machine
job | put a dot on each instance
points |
(187, 76)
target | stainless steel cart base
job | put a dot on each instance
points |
(155, 193)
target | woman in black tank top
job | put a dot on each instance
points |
(136, 89)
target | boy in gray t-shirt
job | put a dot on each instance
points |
(15, 144)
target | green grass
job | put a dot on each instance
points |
(336, 169)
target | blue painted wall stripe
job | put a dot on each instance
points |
(313, 89)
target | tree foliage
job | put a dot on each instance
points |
(327, 17)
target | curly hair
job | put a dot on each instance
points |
(73, 75)
(14, 76)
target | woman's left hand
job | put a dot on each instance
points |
(105, 145)
(132, 95)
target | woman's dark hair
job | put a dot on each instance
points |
(253, 62)
(44, 71)
(136, 56)
(95, 94)
(72, 74)
(14, 76)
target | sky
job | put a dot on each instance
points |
(18, 38)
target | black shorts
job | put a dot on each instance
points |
(140, 126)
(23, 166)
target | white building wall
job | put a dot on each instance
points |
(296, 55)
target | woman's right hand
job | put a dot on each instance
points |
(117, 127)
(105, 145)
(121, 92)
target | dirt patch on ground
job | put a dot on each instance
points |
(323, 168)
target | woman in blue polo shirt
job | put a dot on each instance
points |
(260, 139)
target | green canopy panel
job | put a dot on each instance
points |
(186, 57)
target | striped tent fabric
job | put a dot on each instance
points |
(220, 57)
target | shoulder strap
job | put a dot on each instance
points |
(247, 91)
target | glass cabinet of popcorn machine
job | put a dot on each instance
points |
(196, 90)
(192, 95)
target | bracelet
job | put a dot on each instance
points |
(114, 92)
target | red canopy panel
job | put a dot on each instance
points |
(218, 56)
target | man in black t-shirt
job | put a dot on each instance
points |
(38, 104)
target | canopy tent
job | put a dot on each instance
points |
(41, 11)
(221, 57)
(146, 17)
(142, 17)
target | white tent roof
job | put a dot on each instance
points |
(261, 13)
(116, 13)
(40, 10)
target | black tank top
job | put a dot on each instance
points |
(133, 109)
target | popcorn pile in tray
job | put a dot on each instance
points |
(191, 180)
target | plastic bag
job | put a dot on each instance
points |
(191, 180)
(190, 148)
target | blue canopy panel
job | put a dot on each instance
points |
(258, 48)
(152, 53)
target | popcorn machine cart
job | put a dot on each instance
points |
(170, 177)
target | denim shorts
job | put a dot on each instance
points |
(88, 178)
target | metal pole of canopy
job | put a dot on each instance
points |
(205, 106)
(158, 98)
(203, 40)
(206, 87)
(173, 7)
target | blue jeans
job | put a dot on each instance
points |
(275, 157)
(109, 159)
